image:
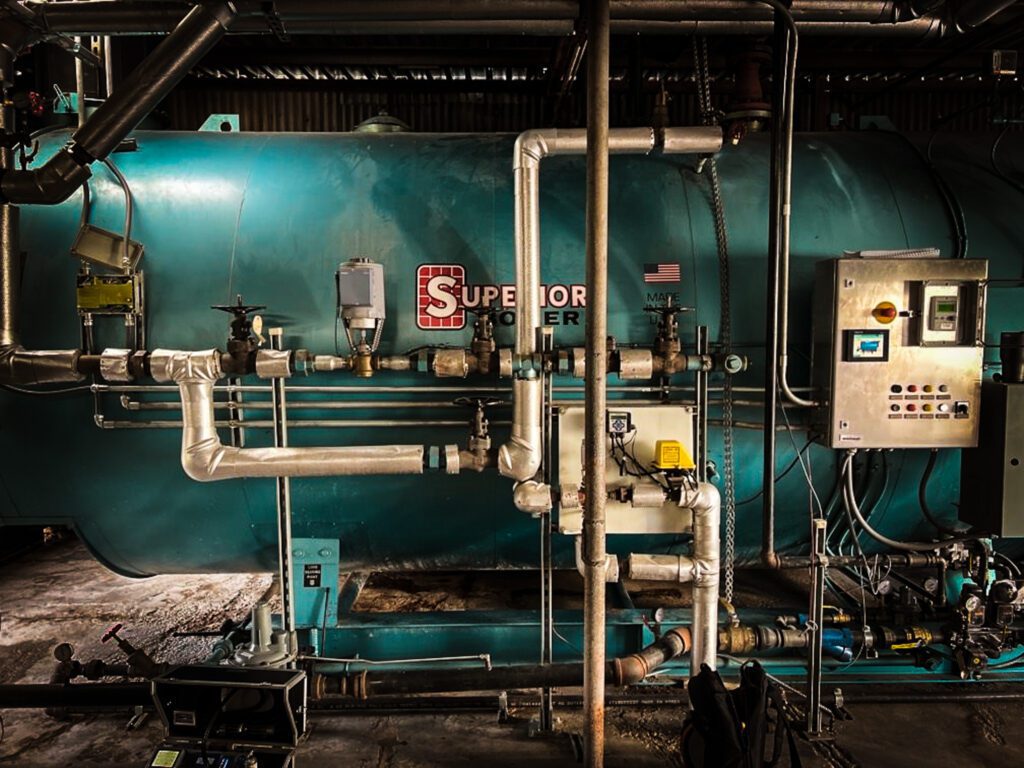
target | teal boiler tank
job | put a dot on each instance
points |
(271, 216)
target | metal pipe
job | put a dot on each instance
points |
(80, 85)
(284, 501)
(780, 44)
(627, 670)
(595, 449)
(553, 17)
(520, 458)
(82, 695)
(140, 92)
(204, 458)
(701, 569)
(974, 13)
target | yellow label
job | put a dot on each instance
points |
(670, 454)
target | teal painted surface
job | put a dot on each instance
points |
(271, 215)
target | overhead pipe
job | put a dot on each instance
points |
(520, 458)
(974, 13)
(56, 180)
(700, 569)
(552, 17)
(204, 458)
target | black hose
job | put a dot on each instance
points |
(922, 496)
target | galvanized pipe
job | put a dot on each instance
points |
(595, 450)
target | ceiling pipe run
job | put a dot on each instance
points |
(513, 17)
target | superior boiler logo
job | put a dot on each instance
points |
(443, 295)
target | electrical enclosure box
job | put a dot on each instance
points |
(992, 475)
(649, 424)
(315, 579)
(360, 284)
(898, 350)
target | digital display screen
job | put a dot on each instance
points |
(865, 345)
(868, 346)
(165, 758)
(946, 307)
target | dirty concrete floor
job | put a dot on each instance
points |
(60, 594)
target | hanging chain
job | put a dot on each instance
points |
(709, 117)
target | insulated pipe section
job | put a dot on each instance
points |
(205, 459)
(138, 95)
(520, 458)
(700, 569)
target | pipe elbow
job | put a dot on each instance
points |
(532, 497)
(531, 147)
(519, 459)
(201, 459)
(51, 184)
(705, 501)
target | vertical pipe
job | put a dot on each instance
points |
(284, 498)
(108, 65)
(814, 625)
(703, 348)
(595, 450)
(771, 351)
(80, 85)
(547, 623)
(10, 258)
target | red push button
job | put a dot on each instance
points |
(885, 312)
(911, 407)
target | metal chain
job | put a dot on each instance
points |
(708, 117)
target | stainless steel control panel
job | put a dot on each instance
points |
(898, 352)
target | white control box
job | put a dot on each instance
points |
(646, 424)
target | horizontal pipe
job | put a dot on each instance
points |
(628, 670)
(105, 423)
(84, 695)
(550, 17)
(205, 458)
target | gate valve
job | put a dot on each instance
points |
(666, 341)
(243, 329)
(483, 328)
(479, 444)
(479, 423)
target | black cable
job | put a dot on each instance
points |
(906, 546)
(778, 478)
(922, 496)
(1008, 561)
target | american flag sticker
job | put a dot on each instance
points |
(662, 273)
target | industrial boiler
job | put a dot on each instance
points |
(332, 355)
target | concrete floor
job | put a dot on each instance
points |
(60, 594)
